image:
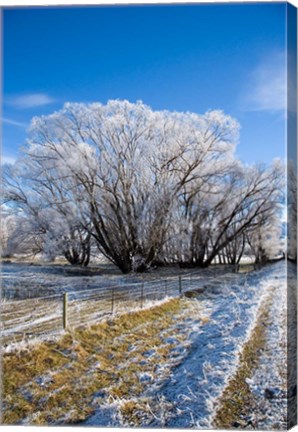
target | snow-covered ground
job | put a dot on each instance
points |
(190, 396)
(197, 383)
(32, 300)
(276, 370)
(23, 280)
(202, 366)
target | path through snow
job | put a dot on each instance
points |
(190, 396)
(197, 383)
(269, 381)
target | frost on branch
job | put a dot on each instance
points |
(146, 187)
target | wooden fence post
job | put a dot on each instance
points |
(180, 286)
(142, 295)
(65, 302)
(113, 299)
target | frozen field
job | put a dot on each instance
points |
(32, 295)
(190, 397)
(22, 281)
(187, 391)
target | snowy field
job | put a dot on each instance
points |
(23, 280)
(190, 397)
(32, 295)
(202, 366)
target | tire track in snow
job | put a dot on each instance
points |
(268, 383)
(197, 383)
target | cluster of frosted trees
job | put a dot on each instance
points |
(144, 187)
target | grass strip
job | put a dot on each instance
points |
(55, 382)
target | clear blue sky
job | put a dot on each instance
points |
(182, 57)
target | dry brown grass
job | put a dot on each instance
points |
(55, 382)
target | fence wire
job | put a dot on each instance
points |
(25, 319)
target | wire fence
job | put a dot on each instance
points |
(34, 317)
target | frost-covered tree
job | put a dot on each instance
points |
(127, 165)
(266, 243)
(48, 221)
(18, 236)
(145, 185)
(7, 238)
(234, 250)
(254, 201)
(224, 215)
